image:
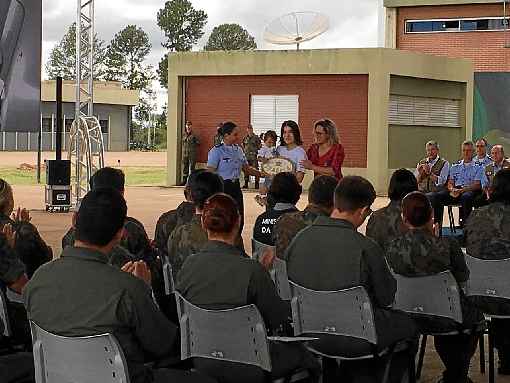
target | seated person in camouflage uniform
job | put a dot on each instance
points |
(172, 219)
(320, 204)
(386, 224)
(331, 255)
(285, 191)
(487, 234)
(219, 276)
(421, 252)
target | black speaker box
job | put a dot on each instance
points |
(58, 172)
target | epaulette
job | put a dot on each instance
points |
(218, 145)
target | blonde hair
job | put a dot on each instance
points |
(330, 129)
(5, 194)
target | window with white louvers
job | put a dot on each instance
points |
(424, 111)
(269, 111)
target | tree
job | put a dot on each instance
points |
(125, 58)
(183, 26)
(230, 37)
(62, 60)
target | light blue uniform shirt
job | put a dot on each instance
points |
(483, 162)
(228, 160)
(465, 174)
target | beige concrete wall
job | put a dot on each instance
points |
(378, 63)
(416, 3)
(105, 92)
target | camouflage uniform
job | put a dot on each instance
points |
(251, 146)
(385, 224)
(289, 224)
(218, 139)
(169, 221)
(190, 144)
(186, 240)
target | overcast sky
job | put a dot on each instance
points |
(353, 23)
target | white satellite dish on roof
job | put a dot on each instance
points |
(296, 28)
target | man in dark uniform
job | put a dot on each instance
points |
(285, 191)
(251, 146)
(331, 255)
(190, 144)
(92, 297)
(320, 204)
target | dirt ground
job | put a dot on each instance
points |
(147, 204)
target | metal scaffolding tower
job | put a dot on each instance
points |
(85, 141)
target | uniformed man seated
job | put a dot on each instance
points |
(285, 192)
(79, 294)
(320, 204)
(432, 175)
(219, 276)
(386, 224)
(499, 162)
(464, 184)
(331, 255)
(481, 157)
(421, 252)
(487, 234)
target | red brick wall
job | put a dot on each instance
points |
(343, 98)
(486, 49)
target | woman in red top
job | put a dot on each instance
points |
(326, 156)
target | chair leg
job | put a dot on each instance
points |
(451, 218)
(387, 368)
(481, 344)
(421, 356)
(491, 354)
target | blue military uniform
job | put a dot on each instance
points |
(228, 161)
(483, 162)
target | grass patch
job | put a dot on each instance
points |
(134, 176)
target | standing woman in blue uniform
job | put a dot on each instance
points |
(227, 160)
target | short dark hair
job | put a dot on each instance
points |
(272, 134)
(501, 187)
(322, 191)
(285, 188)
(295, 131)
(402, 182)
(227, 128)
(220, 213)
(108, 178)
(101, 215)
(202, 185)
(354, 192)
(416, 209)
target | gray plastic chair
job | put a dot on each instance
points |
(281, 280)
(4, 315)
(488, 278)
(168, 277)
(88, 359)
(414, 297)
(258, 248)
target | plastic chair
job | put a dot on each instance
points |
(4, 315)
(168, 277)
(414, 297)
(258, 248)
(489, 279)
(281, 280)
(345, 314)
(232, 335)
(88, 359)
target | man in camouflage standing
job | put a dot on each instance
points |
(251, 146)
(190, 144)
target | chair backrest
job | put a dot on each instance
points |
(432, 295)
(13, 296)
(168, 277)
(257, 249)
(488, 278)
(280, 278)
(4, 315)
(88, 359)
(345, 312)
(234, 335)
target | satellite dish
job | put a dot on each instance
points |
(296, 28)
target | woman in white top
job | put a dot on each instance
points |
(290, 147)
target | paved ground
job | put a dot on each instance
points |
(147, 203)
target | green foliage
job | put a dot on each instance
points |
(62, 60)
(183, 26)
(230, 37)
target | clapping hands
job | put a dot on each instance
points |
(139, 269)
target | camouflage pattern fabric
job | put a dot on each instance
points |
(385, 224)
(11, 268)
(190, 144)
(289, 224)
(251, 146)
(487, 232)
(218, 138)
(169, 221)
